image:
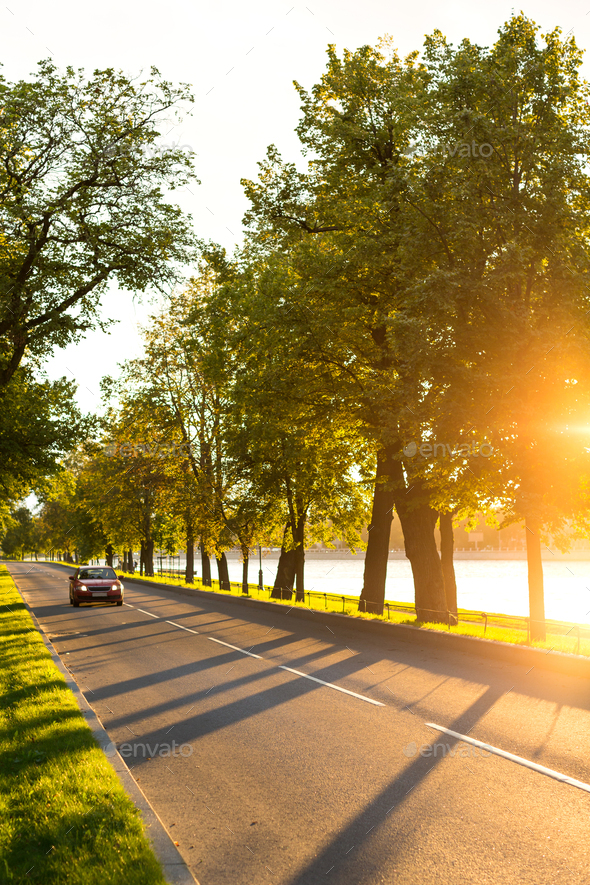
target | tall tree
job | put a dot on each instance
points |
(344, 226)
(83, 201)
(501, 193)
(296, 455)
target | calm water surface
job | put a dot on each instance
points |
(486, 585)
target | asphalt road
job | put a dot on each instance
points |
(282, 780)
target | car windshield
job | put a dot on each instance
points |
(97, 574)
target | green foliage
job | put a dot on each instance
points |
(124, 484)
(65, 523)
(19, 535)
(434, 254)
(39, 424)
(82, 201)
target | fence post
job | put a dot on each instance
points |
(485, 625)
(387, 605)
(326, 601)
(343, 604)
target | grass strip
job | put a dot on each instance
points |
(64, 816)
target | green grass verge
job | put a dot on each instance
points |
(500, 627)
(64, 816)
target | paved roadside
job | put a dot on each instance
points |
(266, 775)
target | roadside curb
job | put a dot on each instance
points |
(558, 662)
(176, 870)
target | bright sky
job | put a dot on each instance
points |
(241, 59)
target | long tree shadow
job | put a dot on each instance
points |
(124, 687)
(201, 724)
(361, 851)
(223, 687)
(148, 680)
(96, 633)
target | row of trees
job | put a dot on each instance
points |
(417, 297)
(417, 293)
(191, 455)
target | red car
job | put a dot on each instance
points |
(95, 584)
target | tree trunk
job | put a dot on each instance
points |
(299, 560)
(285, 577)
(420, 545)
(109, 555)
(130, 565)
(142, 559)
(189, 574)
(223, 572)
(149, 558)
(245, 561)
(447, 544)
(418, 520)
(535, 573)
(205, 566)
(375, 573)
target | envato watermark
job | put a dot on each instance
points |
(428, 751)
(152, 449)
(165, 750)
(458, 149)
(445, 450)
(467, 149)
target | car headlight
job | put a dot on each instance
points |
(116, 586)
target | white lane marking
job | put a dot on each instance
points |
(128, 604)
(550, 772)
(235, 648)
(250, 654)
(143, 611)
(361, 697)
(174, 624)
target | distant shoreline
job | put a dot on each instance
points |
(493, 555)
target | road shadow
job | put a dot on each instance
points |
(361, 851)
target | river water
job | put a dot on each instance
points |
(483, 585)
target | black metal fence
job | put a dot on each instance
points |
(315, 600)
